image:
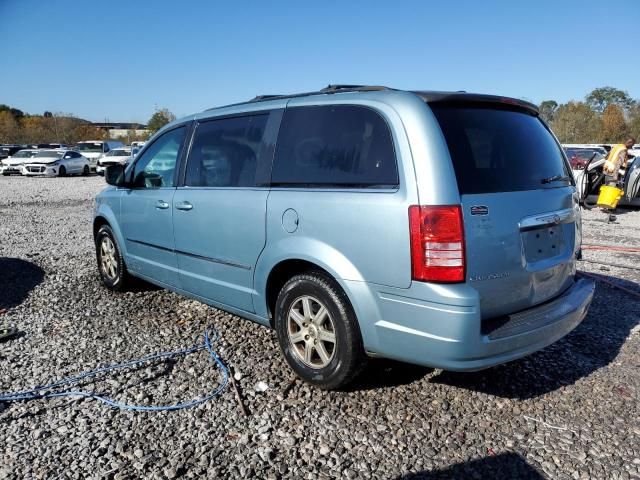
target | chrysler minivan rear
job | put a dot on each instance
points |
(494, 276)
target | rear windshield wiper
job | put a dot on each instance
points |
(556, 178)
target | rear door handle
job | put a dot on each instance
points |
(162, 205)
(184, 206)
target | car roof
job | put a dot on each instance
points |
(429, 96)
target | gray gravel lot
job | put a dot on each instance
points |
(570, 411)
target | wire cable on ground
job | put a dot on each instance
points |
(52, 390)
(609, 264)
(612, 248)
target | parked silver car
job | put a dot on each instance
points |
(14, 163)
(59, 162)
(121, 155)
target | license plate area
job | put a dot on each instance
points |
(543, 243)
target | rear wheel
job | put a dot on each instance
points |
(113, 270)
(85, 170)
(318, 331)
(62, 172)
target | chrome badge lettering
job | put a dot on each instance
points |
(491, 276)
(479, 210)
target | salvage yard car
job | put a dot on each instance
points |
(14, 163)
(120, 155)
(59, 162)
(93, 150)
(8, 150)
(435, 228)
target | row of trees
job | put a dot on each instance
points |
(21, 128)
(607, 115)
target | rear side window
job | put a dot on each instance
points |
(225, 152)
(499, 150)
(337, 146)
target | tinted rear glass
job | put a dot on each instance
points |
(499, 150)
(335, 146)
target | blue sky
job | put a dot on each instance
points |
(120, 59)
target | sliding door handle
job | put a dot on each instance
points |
(184, 206)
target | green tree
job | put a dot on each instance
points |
(547, 110)
(576, 122)
(600, 98)
(634, 122)
(159, 119)
(9, 127)
(614, 127)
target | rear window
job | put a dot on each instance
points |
(499, 150)
(334, 146)
(49, 154)
(118, 153)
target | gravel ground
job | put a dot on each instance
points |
(570, 411)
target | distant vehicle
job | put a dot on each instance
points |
(589, 178)
(9, 150)
(138, 144)
(92, 150)
(52, 145)
(14, 163)
(579, 157)
(590, 146)
(60, 162)
(122, 156)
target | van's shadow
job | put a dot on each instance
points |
(385, 373)
(591, 346)
(499, 467)
(17, 278)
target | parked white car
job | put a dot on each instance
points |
(14, 163)
(59, 162)
(120, 156)
(93, 150)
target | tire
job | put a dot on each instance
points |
(5, 174)
(299, 321)
(113, 271)
(86, 171)
(62, 171)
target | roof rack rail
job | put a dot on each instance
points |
(329, 89)
(259, 98)
(356, 88)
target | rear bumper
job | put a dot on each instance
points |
(453, 336)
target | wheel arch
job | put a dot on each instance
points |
(291, 257)
(280, 274)
(104, 215)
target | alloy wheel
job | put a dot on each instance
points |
(108, 261)
(311, 332)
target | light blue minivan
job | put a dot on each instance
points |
(437, 228)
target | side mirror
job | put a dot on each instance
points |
(114, 175)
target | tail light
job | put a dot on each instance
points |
(437, 243)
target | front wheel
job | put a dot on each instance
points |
(85, 170)
(62, 172)
(113, 270)
(318, 331)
